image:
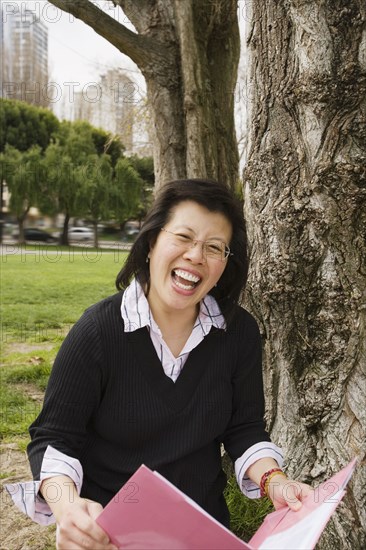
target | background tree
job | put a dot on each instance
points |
(188, 52)
(145, 168)
(305, 207)
(105, 143)
(63, 158)
(72, 166)
(23, 175)
(95, 190)
(23, 125)
(127, 192)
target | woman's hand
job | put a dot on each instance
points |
(75, 516)
(282, 491)
(287, 492)
(77, 528)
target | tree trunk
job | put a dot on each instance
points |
(188, 52)
(95, 230)
(21, 219)
(305, 208)
(65, 230)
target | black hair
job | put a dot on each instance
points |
(214, 196)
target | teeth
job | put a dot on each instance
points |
(187, 276)
(184, 287)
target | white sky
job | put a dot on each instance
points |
(76, 52)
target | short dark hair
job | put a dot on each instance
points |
(214, 196)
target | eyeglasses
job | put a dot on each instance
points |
(212, 249)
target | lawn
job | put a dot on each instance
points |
(43, 292)
(45, 289)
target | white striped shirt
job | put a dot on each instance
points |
(136, 314)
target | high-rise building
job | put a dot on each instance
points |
(108, 104)
(24, 56)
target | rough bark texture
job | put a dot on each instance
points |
(188, 52)
(305, 205)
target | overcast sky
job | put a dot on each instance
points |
(76, 52)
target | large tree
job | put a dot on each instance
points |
(188, 52)
(305, 206)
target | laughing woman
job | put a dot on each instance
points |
(162, 373)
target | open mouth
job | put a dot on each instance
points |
(185, 280)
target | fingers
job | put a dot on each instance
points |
(72, 538)
(94, 508)
(288, 493)
(78, 529)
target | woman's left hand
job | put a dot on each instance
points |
(287, 492)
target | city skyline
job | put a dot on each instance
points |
(78, 56)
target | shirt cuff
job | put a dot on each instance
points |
(264, 449)
(26, 495)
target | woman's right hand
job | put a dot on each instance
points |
(77, 528)
(75, 516)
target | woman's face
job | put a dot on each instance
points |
(181, 275)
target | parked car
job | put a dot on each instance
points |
(36, 234)
(81, 234)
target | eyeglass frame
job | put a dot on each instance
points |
(193, 242)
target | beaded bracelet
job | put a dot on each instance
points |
(266, 478)
(266, 484)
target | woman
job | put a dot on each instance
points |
(161, 373)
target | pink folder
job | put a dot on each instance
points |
(149, 513)
(286, 529)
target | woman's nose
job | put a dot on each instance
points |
(195, 253)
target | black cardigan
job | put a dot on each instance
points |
(109, 404)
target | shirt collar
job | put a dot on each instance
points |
(136, 312)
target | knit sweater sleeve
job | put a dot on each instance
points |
(73, 394)
(246, 427)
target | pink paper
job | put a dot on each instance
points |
(150, 513)
(285, 529)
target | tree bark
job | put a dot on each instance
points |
(305, 208)
(65, 230)
(95, 231)
(188, 52)
(21, 219)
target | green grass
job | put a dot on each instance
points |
(246, 514)
(42, 295)
(31, 368)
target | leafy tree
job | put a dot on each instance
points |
(105, 143)
(23, 125)
(95, 190)
(127, 192)
(145, 167)
(63, 186)
(24, 177)
(72, 163)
